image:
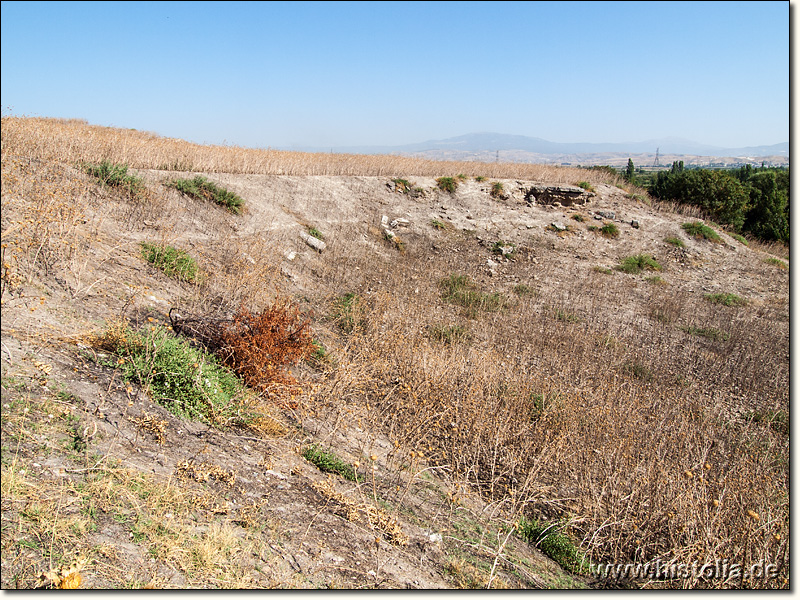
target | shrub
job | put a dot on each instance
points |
(346, 310)
(776, 420)
(726, 299)
(637, 264)
(522, 289)
(402, 185)
(314, 232)
(329, 462)
(173, 262)
(708, 332)
(566, 317)
(116, 175)
(551, 539)
(701, 231)
(184, 379)
(585, 185)
(437, 224)
(447, 184)
(609, 230)
(502, 248)
(259, 347)
(578, 217)
(319, 354)
(740, 238)
(201, 188)
(460, 290)
(777, 262)
(480, 178)
(678, 242)
(637, 370)
(448, 334)
(497, 190)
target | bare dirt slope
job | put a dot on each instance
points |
(93, 467)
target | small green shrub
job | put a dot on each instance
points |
(173, 262)
(551, 539)
(480, 178)
(585, 185)
(201, 188)
(319, 355)
(740, 238)
(316, 233)
(116, 175)
(776, 420)
(447, 184)
(656, 280)
(501, 247)
(707, 332)
(578, 217)
(449, 334)
(182, 378)
(566, 317)
(522, 289)
(497, 190)
(777, 262)
(603, 270)
(462, 177)
(609, 230)
(462, 291)
(637, 264)
(726, 299)
(330, 463)
(701, 231)
(402, 185)
(637, 370)
(346, 312)
(437, 224)
(677, 242)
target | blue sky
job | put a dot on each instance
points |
(333, 74)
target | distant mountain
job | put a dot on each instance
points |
(473, 143)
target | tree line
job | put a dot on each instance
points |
(752, 200)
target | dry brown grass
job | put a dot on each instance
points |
(621, 425)
(75, 141)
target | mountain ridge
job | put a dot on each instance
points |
(491, 142)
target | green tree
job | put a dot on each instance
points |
(630, 172)
(720, 194)
(768, 217)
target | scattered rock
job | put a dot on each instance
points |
(315, 243)
(605, 214)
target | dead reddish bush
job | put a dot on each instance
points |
(259, 347)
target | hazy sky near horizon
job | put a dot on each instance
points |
(334, 74)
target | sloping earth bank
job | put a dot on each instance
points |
(245, 510)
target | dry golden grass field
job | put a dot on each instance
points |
(463, 389)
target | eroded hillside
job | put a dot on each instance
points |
(488, 361)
